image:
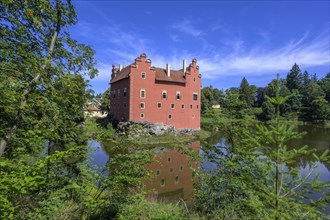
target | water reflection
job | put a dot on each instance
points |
(171, 170)
(172, 175)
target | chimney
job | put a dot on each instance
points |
(120, 67)
(184, 66)
(168, 70)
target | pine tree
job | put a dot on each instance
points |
(247, 92)
(294, 78)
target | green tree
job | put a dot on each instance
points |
(105, 100)
(268, 111)
(294, 78)
(207, 98)
(325, 86)
(42, 92)
(247, 93)
(320, 109)
(255, 176)
(36, 49)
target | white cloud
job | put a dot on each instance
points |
(122, 46)
(257, 61)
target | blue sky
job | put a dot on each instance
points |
(229, 39)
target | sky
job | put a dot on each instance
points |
(230, 39)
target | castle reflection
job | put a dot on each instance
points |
(172, 174)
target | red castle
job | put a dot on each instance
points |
(141, 92)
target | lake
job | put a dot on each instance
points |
(173, 175)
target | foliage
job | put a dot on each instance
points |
(254, 174)
(301, 90)
(42, 91)
(294, 79)
(247, 92)
(268, 111)
(211, 96)
(140, 208)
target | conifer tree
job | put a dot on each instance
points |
(294, 78)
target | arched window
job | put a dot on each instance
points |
(164, 94)
(178, 95)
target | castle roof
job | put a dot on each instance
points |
(176, 76)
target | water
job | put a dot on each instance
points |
(172, 171)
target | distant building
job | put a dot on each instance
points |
(94, 111)
(215, 105)
(141, 92)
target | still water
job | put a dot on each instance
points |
(172, 170)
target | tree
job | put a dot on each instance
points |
(325, 86)
(206, 98)
(306, 79)
(247, 92)
(105, 100)
(268, 111)
(36, 50)
(255, 177)
(294, 78)
(42, 92)
(320, 109)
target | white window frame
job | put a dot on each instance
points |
(170, 118)
(195, 93)
(145, 93)
(160, 105)
(172, 104)
(144, 105)
(183, 106)
(145, 75)
(176, 96)
(142, 115)
(164, 91)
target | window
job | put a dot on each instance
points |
(164, 94)
(181, 168)
(157, 172)
(143, 75)
(168, 159)
(172, 105)
(142, 105)
(178, 95)
(114, 94)
(162, 182)
(195, 96)
(182, 106)
(142, 93)
(141, 115)
(194, 79)
(171, 169)
(197, 106)
(177, 179)
(169, 116)
(125, 105)
(190, 106)
(159, 105)
(124, 91)
(193, 116)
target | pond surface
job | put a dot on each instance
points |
(173, 178)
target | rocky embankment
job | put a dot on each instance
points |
(133, 129)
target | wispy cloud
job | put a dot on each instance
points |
(256, 61)
(188, 28)
(121, 46)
